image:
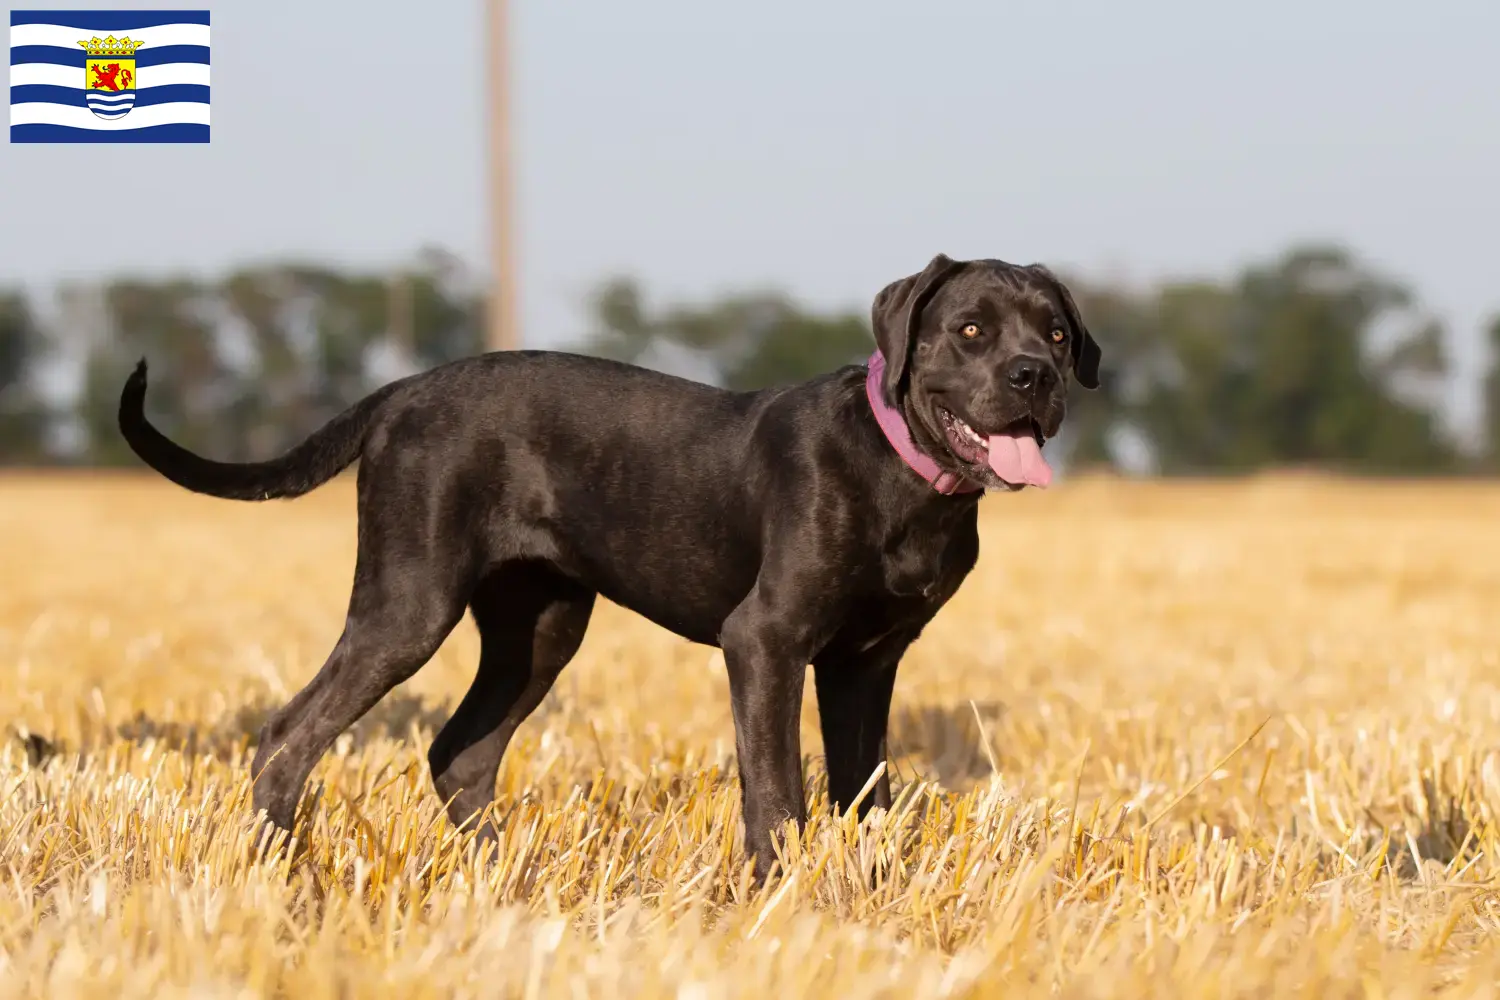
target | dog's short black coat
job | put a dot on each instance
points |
(779, 525)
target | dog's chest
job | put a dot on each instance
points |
(926, 562)
(918, 574)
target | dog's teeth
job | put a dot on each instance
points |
(964, 430)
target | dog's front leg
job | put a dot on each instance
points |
(767, 653)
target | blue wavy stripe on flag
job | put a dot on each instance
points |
(180, 132)
(183, 93)
(110, 113)
(77, 58)
(108, 20)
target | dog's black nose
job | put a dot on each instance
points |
(1025, 373)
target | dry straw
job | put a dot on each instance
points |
(1214, 741)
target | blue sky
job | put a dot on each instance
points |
(822, 147)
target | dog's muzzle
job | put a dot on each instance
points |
(1014, 454)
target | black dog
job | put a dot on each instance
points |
(821, 523)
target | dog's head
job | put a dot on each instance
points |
(977, 356)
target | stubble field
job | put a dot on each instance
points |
(1169, 740)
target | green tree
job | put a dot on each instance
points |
(171, 323)
(1280, 366)
(246, 367)
(1122, 323)
(746, 341)
(1492, 396)
(23, 414)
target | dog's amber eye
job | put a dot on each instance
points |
(1058, 336)
(971, 330)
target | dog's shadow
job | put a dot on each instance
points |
(953, 744)
(396, 717)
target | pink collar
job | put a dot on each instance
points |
(899, 435)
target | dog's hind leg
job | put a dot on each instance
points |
(400, 612)
(531, 622)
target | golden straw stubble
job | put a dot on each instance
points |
(1237, 739)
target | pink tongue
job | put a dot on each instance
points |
(1016, 459)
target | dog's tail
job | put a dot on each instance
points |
(329, 450)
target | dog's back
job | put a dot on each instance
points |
(633, 482)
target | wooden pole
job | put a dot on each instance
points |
(503, 328)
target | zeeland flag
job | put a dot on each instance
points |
(109, 76)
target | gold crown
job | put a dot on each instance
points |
(111, 46)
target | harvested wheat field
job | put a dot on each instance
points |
(1169, 740)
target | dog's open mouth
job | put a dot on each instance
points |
(1014, 455)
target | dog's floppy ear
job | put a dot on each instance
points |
(897, 309)
(1085, 350)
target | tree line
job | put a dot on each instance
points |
(1311, 359)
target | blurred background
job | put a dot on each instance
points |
(1280, 219)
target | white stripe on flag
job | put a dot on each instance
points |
(68, 38)
(36, 113)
